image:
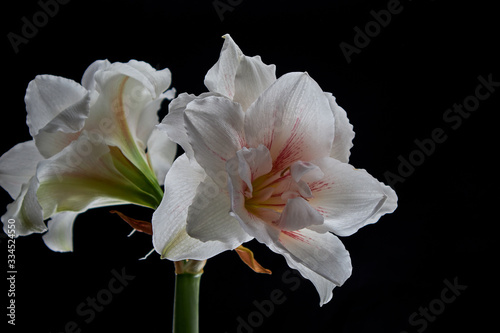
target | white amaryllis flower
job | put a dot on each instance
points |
(94, 144)
(265, 159)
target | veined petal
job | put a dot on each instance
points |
(209, 219)
(305, 171)
(64, 128)
(215, 130)
(318, 254)
(293, 119)
(25, 211)
(161, 153)
(49, 144)
(55, 99)
(147, 122)
(88, 80)
(170, 238)
(70, 120)
(298, 214)
(250, 164)
(57, 111)
(115, 117)
(155, 81)
(116, 112)
(252, 78)
(59, 238)
(323, 286)
(173, 124)
(349, 198)
(344, 134)
(159, 79)
(17, 166)
(220, 78)
(89, 174)
(239, 77)
(124, 113)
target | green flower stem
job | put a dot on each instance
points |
(186, 298)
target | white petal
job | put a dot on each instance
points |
(298, 214)
(156, 82)
(209, 219)
(239, 77)
(57, 110)
(175, 116)
(170, 93)
(321, 254)
(124, 113)
(59, 238)
(251, 164)
(349, 198)
(63, 129)
(292, 118)
(170, 238)
(88, 80)
(256, 227)
(26, 211)
(159, 79)
(55, 99)
(386, 207)
(70, 120)
(344, 134)
(147, 122)
(301, 169)
(220, 78)
(85, 175)
(252, 78)
(215, 130)
(17, 166)
(161, 153)
(323, 286)
(115, 117)
(173, 124)
(49, 144)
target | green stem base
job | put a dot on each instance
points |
(186, 299)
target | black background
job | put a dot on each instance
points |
(395, 90)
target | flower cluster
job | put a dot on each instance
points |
(265, 158)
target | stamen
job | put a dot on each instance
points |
(284, 171)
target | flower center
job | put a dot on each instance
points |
(271, 193)
(267, 191)
(273, 197)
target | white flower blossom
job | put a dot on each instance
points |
(94, 144)
(265, 159)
